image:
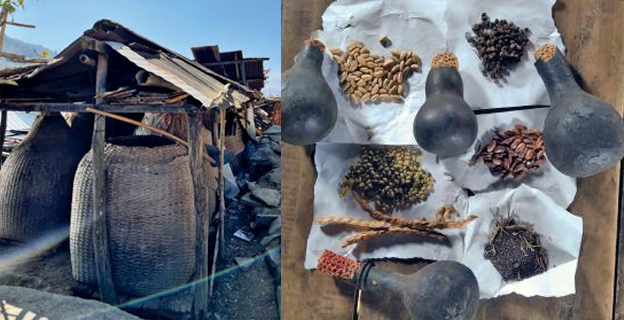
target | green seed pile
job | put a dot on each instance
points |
(389, 176)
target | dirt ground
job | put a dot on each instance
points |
(244, 293)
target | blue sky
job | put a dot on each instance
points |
(250, 25)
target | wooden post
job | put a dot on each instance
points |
(244, 73)
(200, 302)
(222, 179)
(100, 235)
(3, 123)
(3, 127)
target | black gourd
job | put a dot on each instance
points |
(309, 109)
(441, 290)
(583, 135)
(445, 124)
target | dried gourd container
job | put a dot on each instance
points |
(150, 216)
(36, 179)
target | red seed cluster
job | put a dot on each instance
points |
(338, 266)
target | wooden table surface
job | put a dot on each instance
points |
(593, 32)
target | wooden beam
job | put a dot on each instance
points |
(100, 235)
(21, 58)
(222, 63)
(200, 302)
(150, 128)
(117, 108)
(3, 127)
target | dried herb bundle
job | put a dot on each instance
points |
(500, 44)
(367, 77)
(515, 250)
(385, 224)
(389, 176)
(513, 153)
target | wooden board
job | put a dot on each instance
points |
(593, 33)
(305, 295)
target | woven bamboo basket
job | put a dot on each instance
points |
(36, 179)
(149, 211)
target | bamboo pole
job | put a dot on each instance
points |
(216, 143)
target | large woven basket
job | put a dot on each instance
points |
(149, 211)
(36, 179)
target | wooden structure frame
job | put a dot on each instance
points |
(240, 66)
(199, 179)
(594, 50)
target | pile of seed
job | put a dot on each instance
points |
(366, 77)
(515, 250)
(513, 153)
(389, 176)
(500, 44)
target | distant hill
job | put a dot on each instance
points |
(17, 46)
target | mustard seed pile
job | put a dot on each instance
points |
(390, 176)
(366, 77)
(515, 250)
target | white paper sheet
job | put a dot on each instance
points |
(560, 233)
(332, 163)
(429, 27)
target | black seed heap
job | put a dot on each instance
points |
(500, 44)
(389, 176)
(515, 250)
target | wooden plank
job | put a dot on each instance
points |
(100, 235)
(305, 295)
(594, 49)
(117, 108)
(299, 19)
(200, 304)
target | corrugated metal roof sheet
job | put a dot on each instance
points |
(199, 85)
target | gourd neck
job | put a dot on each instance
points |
(370, 279)
(444, 80)
(556, 75)
(310, 56)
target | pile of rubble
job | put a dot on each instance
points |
(252, 236)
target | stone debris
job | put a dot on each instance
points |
(244, 263)
(270, 197)
(244, 235)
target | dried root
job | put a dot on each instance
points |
(385, 224)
